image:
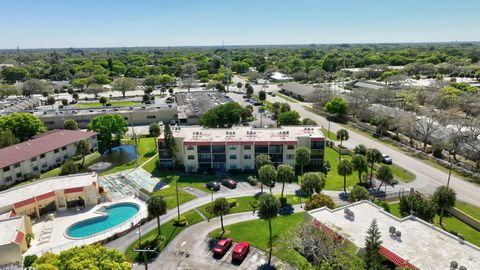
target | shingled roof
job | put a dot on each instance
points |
(41, 144)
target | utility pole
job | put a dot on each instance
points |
(178, 203)
(451, 165)
(228, 71)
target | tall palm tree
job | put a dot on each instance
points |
(269, 206)
(373, 155)
(285, 174)
(345, 168)
(156, 207)
(312, 183)
(342, 135)
(302, 157)
(445, 198)
(360, 165)
(220, 208)
(360, 150)
(385, 175)
(267, 175)
(260, 161)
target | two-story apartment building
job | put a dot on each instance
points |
(42, 153)
(235, 149)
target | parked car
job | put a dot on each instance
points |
(257, 103)
(246, 96)
(173, 122)
(240, 251)
(215, 186)
(229, 183)
(387, 159)
(222, 246)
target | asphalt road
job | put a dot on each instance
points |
(427, 179)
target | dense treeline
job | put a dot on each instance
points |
(310, 63)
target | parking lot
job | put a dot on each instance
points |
(191, 249)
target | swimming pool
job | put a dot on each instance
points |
(114, 215)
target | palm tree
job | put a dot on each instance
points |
(269, 206)
(156, 207)
(373, 155)
(342, 135)
(360, 165)
(360, 150)
(302, 157)
(260, 160)
(312, 183)
(285, 174)
(154, 131)
(445, 198)
(267, 175)
(220, 208)
(345, 168)
(385, 175)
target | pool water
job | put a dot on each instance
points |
(116, 214)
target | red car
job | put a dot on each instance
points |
(240, 251)
(229, 183)
(222, 246)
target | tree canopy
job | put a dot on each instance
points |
(110, 129)
(23, 125)
(222, 116)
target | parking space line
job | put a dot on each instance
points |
(250, 254)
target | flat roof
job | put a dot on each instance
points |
(9, 228)
(422, 244)
(21, 193)
(41, 144)
(247, 134)
(299, 89)
(196, 103)
(102, 110)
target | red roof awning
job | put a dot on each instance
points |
(24, 202)
(73, 190)
(45, 196)
(318, 139)
(189, 143)
(19, 237)
(12, 213)
(261, 142)
(395, 259)
(331, 233)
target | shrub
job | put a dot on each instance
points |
(29, 260)
(358, 193)
(420, 206)
(320, 200)
(144, 191)
(69, 167)
(437, 151)
(384, 205)
(232, 202)
(180, 222)
(283, 201)
(252, 180)
(156, 243)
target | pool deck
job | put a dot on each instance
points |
(50, 234)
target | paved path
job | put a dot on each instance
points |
(193, 240)
(123, 242)
(428, 178)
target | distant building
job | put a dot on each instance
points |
(279, 77)
(299, 91)
(13, 240)
(52, 194)
(135, 115)
(418, 245)
(235, 149)
(192, 105)
(43, 152)
(372, 85)
(18, 104)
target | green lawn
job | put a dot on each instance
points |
(169, 193)
(258, 237)
(98, 104)
(287, 98)
(334, 181)
(168, 230)
(469, 209)
(401, 174)
(450, 223)
(244, 206)
(145, 149)
(331, 137)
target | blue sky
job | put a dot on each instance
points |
(112, 23)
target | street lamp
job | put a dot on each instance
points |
(451, 165)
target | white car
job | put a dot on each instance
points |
(387, 159)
